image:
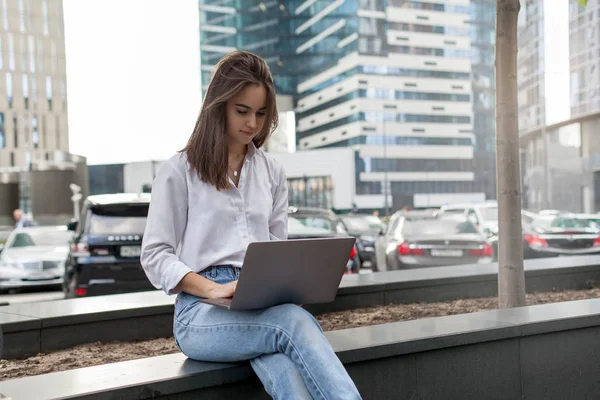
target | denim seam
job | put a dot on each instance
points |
(276, 328)
(271, 380)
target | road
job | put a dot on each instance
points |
(31, 296)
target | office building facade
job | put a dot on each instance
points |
(33, 109)
(392, 80)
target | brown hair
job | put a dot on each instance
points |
(207, 150)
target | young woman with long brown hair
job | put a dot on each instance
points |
(208, 203)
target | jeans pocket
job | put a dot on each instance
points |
(209, 273)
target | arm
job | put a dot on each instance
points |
(279, 214)
(167, 219)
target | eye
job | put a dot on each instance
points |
(242, 112)
(261, 114)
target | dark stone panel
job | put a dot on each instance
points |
(561, 365)
(143, 327)
(21, 344)
(481, 371)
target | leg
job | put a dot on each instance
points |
(280, 377)
(209, 333)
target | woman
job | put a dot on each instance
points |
(208, 203)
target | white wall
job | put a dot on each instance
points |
(337, 163)
(136, 174)
(439, 199)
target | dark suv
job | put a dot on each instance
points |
(105, 253)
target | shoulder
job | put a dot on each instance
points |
(176, 166)
(274, 166)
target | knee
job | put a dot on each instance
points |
(297, 321)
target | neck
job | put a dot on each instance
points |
(237, 151)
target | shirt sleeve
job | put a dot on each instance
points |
(279, 215)
(167, 218)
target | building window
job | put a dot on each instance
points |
(23, 51)
(31, 49)
(35, 132)
(49, 92)
(40, 51)
(34, 91)
(12, 159)
(11, 52)
(5, 13)
(45, 16)
(15, 131)
(26, 90)
(2, 134)
(9, 89)
(22, 15)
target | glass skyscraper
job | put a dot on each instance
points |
(395, 80)
(483, 38)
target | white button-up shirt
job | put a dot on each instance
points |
(192, 226)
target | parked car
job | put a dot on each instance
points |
(562, 234)
(5, 231)
(365, 228)
(593, 220)
(34, 256)
(483, 215)
(105, 254)
(305, 223)
(418, 240)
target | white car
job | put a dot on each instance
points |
(34, 256)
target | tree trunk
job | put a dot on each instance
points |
(511, 277)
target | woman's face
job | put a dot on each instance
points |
(245, 114)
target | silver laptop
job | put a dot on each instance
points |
(299, 271)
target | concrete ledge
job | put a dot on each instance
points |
(34, 327)
(539, 352)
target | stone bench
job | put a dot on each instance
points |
(547, 352)
(45, 326)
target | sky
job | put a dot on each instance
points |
(133, 77)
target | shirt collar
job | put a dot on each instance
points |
(251, 150)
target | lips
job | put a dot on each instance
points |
(247, 133)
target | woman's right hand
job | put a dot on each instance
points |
(219, 291)
(197, 285)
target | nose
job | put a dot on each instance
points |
(251, 122)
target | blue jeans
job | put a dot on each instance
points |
(285, 344)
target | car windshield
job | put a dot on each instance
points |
(489, 213)
(41, 238)
(433, 227)
(362, 223)
(120, 219)
(309, 225)
(592, 222)
(561, 222)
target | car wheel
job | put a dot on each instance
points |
(70, 285)
(374, 263)
(392, 263)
